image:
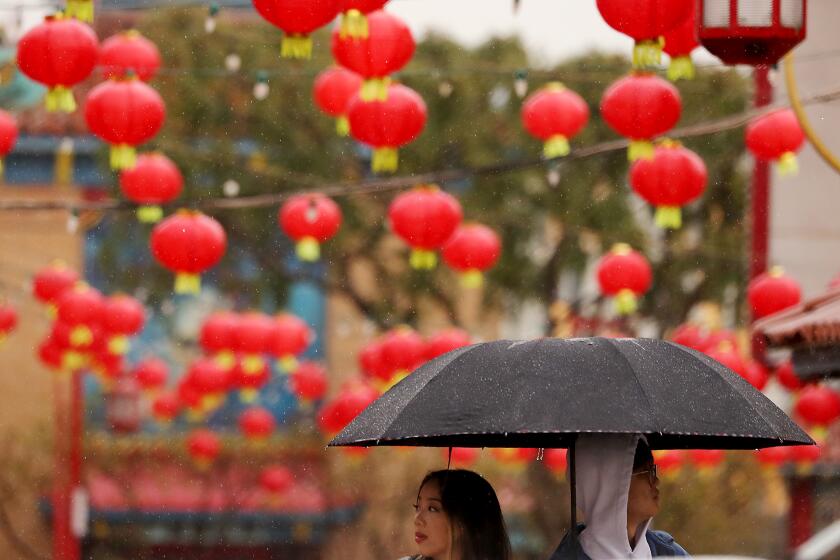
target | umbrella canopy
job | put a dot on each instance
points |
(541, 393)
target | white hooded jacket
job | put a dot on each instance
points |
(604, 466)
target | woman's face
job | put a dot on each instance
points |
(432, 531)
(643, 497)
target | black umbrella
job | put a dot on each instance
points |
(542, 393)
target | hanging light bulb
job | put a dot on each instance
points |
(553, 175)
(73, 222)
(210, 22)
(233, 62)
(261, 89)
(230, 188)
(445, 88)
(520, 83)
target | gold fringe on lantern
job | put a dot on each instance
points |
(225, 359)
(422, 259)
(354, 24)
(296, 46)
(308, 249)
(248, 396)
(626, 302)
(472, 279)
(123, 156)
(118, 345)
(252, 365)
(375, 89)
(82, 10)
(647, 53)
(384, 160)
(639, 149)
(788, 165)
(288, 363)
(186, 283)
(81, 336)
(668, 217)
(149, 214)
(556, 146)
(681, 68)
(342, 126)
(60, 99)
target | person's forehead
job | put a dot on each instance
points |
(430, 491)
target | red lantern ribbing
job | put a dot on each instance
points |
(645, 21)
(671, 179)
(297, 19)
(624, 275)
(58, 53)
(125, 114)
(188, 243)
(777, 137)
(641, 106)
(333, 90)
(153, 180)
(126, 53)
(8, 136)
(424, 217)
(310, 220)
(679, 43)
(388, 47)
(354, 21)
(772, 292)
(387, 125)
(472, 250)
(555, 114)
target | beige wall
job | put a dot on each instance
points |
(805, 211)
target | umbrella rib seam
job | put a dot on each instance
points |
(641, 387)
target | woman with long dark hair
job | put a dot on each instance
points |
(458, 517)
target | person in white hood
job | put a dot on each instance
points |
(617, 491)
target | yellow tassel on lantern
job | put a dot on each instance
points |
(639, 149)
(123, 156)
(354, 24)
(647, 53)
(195, 415)
(80, 336)
(118, 345)
(375, 89)
(248, 396)
(252, 364)
(472, 279)
(626, 302)
(82, 10)
(668, 217)
(73, 361)
(225, 359)
(342, 126)
(288, 363)
(60, 98)
(396, 378)
(788, 165)
(308, 249)
(296, 46)
(149, 214)
(681, 68)
(556, 146)
(385, 160)
(186, 283)
(422, 259)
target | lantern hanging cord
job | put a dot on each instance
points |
(337, 189)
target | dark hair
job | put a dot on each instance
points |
(469, 501)
(643, 455)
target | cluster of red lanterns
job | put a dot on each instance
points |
(624, 275)
(89, 330)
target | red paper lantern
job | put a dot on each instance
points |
(309, 219)
(126, 53)
(251, 339)
(8, 320)
(217, 337)
(514, 457)
(818, 405)
(371, 364)
(387, 48)
(402, 351)
(50, 353)
(50, 282)
(210, 380)
(188, 243)
(445, 341)
(80, 308)
(472, 250)
(641, 106)
(153, 180)
(729, 357)
(204, 447)
(297, 19)
(705, 459)
(58, 53)
(8, 136)
(354, 21)
(191, 399)
(679, 43)
(290, 337)
(772, 292)
(645, 21)
(276, 480)
(151, 374)
(349, 402)
(776, 136)
(122, 316)
(125, 114)
(804, 456)
(671, 179)
(556, 461)
(257, 424)
(624, 275)
(309, 382)
(165, 407)
(461, 457)
(387, 125)
(333, 90)
(249, 383)
(424, 217)
(787, 378)
(555, 115)
(773, 456)
(690, 335)
(755, 374)
(669, 462)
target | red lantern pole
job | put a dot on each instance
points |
(760, 199)
(68, 467)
